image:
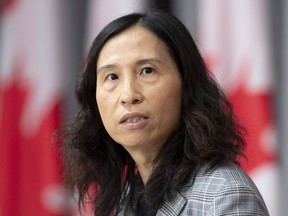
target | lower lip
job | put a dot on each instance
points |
(135, 125)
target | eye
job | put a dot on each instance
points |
(112, 77)
(147, 70)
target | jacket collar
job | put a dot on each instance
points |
(174, 207)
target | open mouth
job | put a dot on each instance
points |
(134, 119)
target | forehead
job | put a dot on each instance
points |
(134, 32)
(133, 42)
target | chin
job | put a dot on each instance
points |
(131, 143)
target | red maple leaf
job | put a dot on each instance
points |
(254, 110)
(28, 163)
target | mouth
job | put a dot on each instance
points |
(133, 118)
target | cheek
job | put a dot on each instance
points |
(168, 104)
(101, 100)
(173, 107)
(107, 104)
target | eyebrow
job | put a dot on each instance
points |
(108, 66)
(139, 62)
(148, 60)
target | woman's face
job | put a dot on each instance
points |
(138, 90)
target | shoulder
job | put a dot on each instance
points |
(222, 188)
(214, 179)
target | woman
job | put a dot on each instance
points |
(154, 131)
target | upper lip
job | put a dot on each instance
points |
(131, 115)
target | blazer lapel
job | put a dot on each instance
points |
(172, 207)
(175, 206)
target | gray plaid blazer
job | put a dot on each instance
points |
(223, 190)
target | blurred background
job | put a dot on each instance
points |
(43, 46)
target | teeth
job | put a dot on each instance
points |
(134, 119)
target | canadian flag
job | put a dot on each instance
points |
(234, 40)
(30, 99)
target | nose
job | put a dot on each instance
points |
(131, 93)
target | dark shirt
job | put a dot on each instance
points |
(142, 208)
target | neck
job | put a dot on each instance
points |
(145, 171)
(144, 162)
